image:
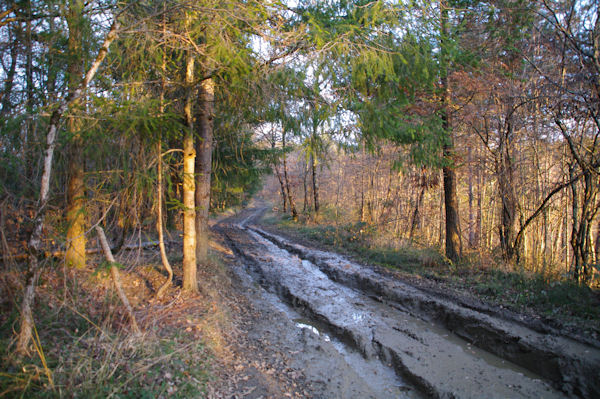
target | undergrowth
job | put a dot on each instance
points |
(83, 347)
(548, 295)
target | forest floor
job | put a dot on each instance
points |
(219, 343)
(250, 333)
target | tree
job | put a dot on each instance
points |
(35, 239)
(75, 215)
(453, 238)
(575, 44)
(190, 282)
(204, 149)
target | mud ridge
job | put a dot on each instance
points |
(571, 366)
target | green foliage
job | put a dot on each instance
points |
(238, 165)
(105, 266)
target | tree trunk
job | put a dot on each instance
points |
(190, 283)
(453, 240)
(315, 187)
(305, 186)
(203, 166)
(504, 171)
(75, 216)
(35, 239)
(282, 188)
(416, 217)
(287, 182)
(471, 199)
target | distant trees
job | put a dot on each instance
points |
(502, 94)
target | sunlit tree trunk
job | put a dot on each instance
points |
(190, 282)
(75, 216)
(287, 181)
(203, 166)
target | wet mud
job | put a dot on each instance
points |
(392, 340)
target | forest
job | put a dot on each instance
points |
(462, 136)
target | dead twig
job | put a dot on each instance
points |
(117, 278)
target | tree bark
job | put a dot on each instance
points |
(315, 187)
(508, 200)
(453, 240)
(75, 217)
(287, 182)
(204, 167)
(35, 239)
(190, 283)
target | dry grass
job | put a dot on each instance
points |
(84, 348)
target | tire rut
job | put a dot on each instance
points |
(569, 365)
(404, 334)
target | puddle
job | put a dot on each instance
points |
(305, 324)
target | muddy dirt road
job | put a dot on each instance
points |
(357, 333)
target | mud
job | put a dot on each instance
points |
(411, 341)
(326, 367)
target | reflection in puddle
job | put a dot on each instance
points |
(358, 317)
(301, 324)
(302, 277)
